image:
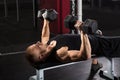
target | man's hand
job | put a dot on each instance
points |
(78, 25)
(50, 15)
(44, 14)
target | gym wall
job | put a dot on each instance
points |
(63, 9)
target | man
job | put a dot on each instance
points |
(62, 48)
(67, 48)
(43, 49)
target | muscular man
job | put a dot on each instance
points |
(69, 47)
(61, 47)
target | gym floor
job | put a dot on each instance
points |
(106, 62)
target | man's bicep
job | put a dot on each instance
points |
(62, 53)
(74, 55)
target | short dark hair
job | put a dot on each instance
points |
(30, 58)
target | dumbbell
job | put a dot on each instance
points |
(70, 21)
(50, 15)
(40, 12)
(89, 26)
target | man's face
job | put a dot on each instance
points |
(39, 51)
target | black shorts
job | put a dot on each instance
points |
(109, 46)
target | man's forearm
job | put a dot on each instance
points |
(45, 32)
(82, 39)
(82, 47)
(87, 46)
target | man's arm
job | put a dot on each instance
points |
(45, 32)
(85, 48)
(66, 55)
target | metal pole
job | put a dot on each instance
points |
(17, 7)
(79, 9)
(5, 7)
(37, 74)
(40, 74)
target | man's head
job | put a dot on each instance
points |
(38, 52)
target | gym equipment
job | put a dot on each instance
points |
(105, 75)
(105, 72)
(71, 71)
(40, 12)
(116, 68)
(14, 66)
(70, 21)
(50, 15)
(90, 26)
(79, 10)
(99, 32)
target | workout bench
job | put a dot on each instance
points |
(76, 71)
(80, 70)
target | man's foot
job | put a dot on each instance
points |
(96, 67)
